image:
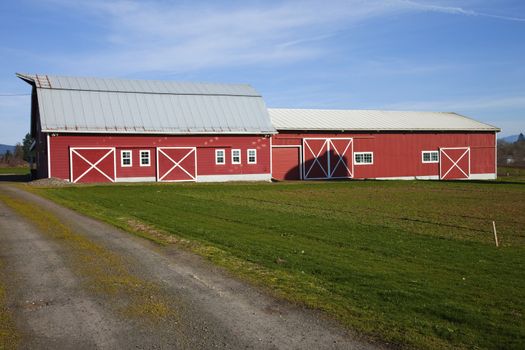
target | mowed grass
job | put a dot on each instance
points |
(14, 170)
(409, 263)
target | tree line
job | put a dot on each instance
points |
(512, 153)
(21, 154)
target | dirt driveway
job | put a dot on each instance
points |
(75, 283)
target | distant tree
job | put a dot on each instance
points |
(26, 147)
(521, 138)
(18, 153)
(7, 156)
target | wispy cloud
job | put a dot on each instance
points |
(456, 10)
(155, 36)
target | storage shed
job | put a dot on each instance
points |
(110, 130)
(370, 144)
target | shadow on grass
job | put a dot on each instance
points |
(15, 178)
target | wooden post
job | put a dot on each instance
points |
(495, 233)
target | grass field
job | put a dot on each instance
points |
(410, 263)
(14, 170)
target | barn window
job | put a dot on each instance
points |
(430, 156)
(144, 158)
(236, 156)
(125, 158)
(220, 156)
(252, 156)
(364, 157)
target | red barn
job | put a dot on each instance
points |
(367, 144)
(109, 130)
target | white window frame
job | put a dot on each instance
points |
(363, 153)
(217, 151)
(239, 156)
(122, 158)
(429, 161)
(254, 156)
(149, 157)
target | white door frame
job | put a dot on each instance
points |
(328, 144)
(176, 164)
(93, 166)
(442, 151)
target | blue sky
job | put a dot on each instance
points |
(462, 56)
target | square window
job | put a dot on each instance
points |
(145, 158)
(125, 158)
(252, 156)
(220, 157)
(236, 156)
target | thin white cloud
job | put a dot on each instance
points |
(457, 10)
(156, 36)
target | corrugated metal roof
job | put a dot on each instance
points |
(72, 104)
(373, 120)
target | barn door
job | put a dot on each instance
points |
(341, 158)
(454, 163)
(92, 164)
(327, 158)
(176, 163)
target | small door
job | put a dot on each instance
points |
(176, 163)
(92, 164)
(454, 163)
(286, 162)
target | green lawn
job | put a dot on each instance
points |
(507, 174)
(14, 170)
(411, 263)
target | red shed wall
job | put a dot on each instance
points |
(207, 170)
(398, 155)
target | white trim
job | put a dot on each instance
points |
(358, 153)
(271, 156)
(136, 179)
(328, 142)
(93, 165)
(495, 153)
(140, 157)
(240, 156)
(442, 150)
(423, 177)
(122, 158)
(217, 156)
(429, 161)
(48, 157)
(487, 176)
(134, 132)
(176, 164)
(300, 157)
(248, 155)
(234, 177)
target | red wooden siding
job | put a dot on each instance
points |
(399, 154)
(206, 146)
(286, 163)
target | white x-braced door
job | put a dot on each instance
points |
(176, 163)
(454, 163)
(92, 164)
(328, 158)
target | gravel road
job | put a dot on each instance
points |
(53, 309)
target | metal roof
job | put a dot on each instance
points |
(95, 105)
(373, 120)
